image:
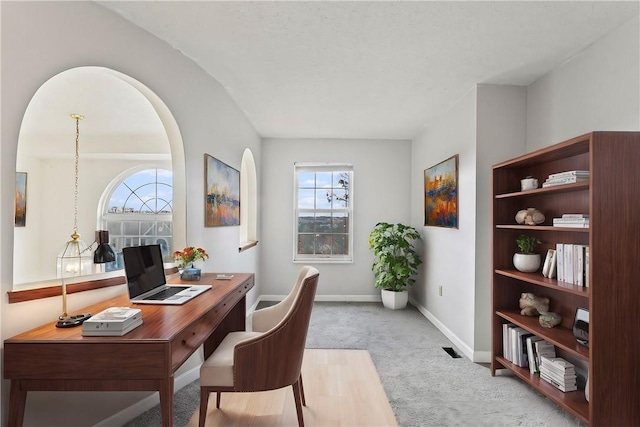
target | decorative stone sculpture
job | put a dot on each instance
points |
(532, 305)
(549, 320)
(530, 216)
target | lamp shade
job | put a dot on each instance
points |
(103, 253)
(74, 259)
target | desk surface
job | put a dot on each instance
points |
(160, 322)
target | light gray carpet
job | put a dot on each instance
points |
(424, 384)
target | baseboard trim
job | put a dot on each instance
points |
(141, 406)
(325, 298)
(474, 356)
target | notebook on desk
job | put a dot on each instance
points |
(147, 282)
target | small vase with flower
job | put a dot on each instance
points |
(186, 259)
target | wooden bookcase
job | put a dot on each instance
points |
(612, 199)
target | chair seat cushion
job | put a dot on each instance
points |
(217, 370)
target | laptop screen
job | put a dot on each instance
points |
(144, 268)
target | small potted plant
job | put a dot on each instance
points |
(395, 262)
(525, 260)
(186, 259)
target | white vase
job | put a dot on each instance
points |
(394, 300)
(527, 263)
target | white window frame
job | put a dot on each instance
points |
(322, 167)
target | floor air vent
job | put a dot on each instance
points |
(451, 352)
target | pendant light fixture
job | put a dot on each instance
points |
(75, 259)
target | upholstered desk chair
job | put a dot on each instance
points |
(261, 361)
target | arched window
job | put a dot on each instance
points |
(139, 212)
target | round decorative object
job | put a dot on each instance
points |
(530, 216)
(527, 263)
(549, 319)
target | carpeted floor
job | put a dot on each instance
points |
(424, 384)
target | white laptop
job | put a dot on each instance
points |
(146, 279)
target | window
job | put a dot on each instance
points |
(139, 212)
(323, 211)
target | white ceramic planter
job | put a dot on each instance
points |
(394, 300)
(527, 263)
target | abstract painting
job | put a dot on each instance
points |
(441, 194)
(222, 198)
(21, 199)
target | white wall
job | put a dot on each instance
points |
(380, 193)
(449, 254)
(42, 39)
(500, 135)
(598, 89)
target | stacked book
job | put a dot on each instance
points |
(572, 220)
(568, 177)
(559, 373)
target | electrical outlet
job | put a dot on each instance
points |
(440, 290)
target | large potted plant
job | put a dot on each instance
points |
(395, 261)
(525, 260)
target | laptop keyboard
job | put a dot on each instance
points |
(166, 293)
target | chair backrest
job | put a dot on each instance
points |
(264, 319)
(273, 360)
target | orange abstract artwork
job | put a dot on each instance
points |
(441, 194)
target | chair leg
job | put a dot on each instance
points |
(204, 401)
(296, 397)
(218, 399)
(304, 403)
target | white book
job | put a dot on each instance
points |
(560, 261)
(568, 263)
(568, 173)
(570, 220)
(579, 215)
(572, 225)
(579, 265)
(547, 263)
(586, 266)
(515, 339)
(506, 341)
(552, 265)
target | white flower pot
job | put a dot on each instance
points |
(527, 263)
(394, 300)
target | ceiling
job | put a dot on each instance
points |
(381, 70)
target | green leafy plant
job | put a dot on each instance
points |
(396, 260)
(527, 244)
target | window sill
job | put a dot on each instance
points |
(72, 288)
(247, 245)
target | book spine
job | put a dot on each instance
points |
(586, 266)
(552, 266)
(560, 261)
(575, 216)
(568, 174)
(568, 263)
(579, 270)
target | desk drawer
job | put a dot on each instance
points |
(197, 333)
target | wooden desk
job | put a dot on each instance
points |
(49, 358)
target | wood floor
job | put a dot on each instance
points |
(342, 388)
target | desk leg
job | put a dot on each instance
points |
(17, 402)
(166, 401)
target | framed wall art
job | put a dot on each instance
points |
(222, 193)
(441, 194)
(21, 199)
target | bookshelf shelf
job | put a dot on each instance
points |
(574, 401)
(611, 197)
